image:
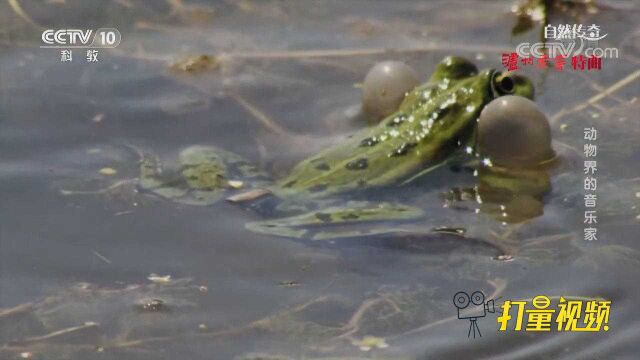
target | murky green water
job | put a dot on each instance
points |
(84, 259)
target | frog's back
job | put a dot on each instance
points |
(432, 121)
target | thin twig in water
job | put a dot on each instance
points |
(58, 333)
(498, 284)
(262, 118)
(99, 191)
(101, 257)
(22, 308)
(353, 326)
(595, 99)
(297, 54)
(234, 331)
(309, 54)
(258, 324)
(15, 6)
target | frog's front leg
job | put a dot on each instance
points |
(354, 219)
(203, 175)
(157, 180)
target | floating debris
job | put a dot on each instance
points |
(289, 284)
(505, 257)
(107, 171)
(98, 118)
(157, 279)
(369, 342)
(153, 305)
(236, 184)
(249, 195)
(450, 230)
(196, 64)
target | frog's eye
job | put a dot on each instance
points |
(504, 84)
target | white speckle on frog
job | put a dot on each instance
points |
(394, 133)
(468, 150)
(470, 108)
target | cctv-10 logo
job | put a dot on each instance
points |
(65, 38)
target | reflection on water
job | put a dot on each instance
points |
(74, 270)
(509, 195)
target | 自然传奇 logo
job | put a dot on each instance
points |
(573, 46)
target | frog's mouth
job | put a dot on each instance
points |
(502, 84)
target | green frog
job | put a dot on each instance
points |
(435, 122)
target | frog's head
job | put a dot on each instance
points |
(458, 70)
(513, 131)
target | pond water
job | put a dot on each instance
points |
(75, 268)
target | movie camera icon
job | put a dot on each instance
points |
(462, 301)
